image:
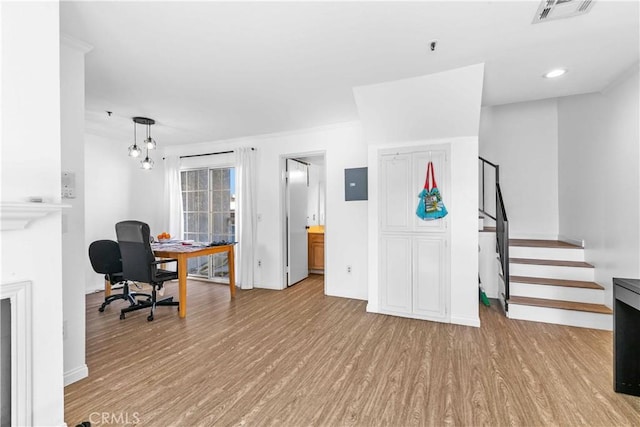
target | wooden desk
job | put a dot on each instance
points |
(182, 253)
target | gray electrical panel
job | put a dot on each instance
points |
(355, 184)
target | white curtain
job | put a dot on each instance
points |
(246, 218)
(172, 196)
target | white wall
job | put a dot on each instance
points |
(147, 189)
(464, 231)
(73, 242)
(30, 166)
(488, 264)
(346, 222)
(522, 139)
(599, 184)
(421, 111)
(439, 105)
(117, 189)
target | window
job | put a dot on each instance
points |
(208, 201)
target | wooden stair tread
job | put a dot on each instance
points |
(564, 305)
(555, 282)
(487, 229)
(550, 262)
(535, 243)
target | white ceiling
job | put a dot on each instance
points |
(216, 70)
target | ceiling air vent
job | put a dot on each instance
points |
(559, 9)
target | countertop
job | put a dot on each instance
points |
(316, 229)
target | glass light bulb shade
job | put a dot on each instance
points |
(134, 150)
(147, 163)
(150, 143)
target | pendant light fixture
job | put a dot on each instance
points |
(134, 150)
(149, 142)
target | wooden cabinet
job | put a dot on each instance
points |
(316, 251)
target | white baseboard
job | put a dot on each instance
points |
(533, 236)
(372, 308)
(414, 316)
(571, 241)
(346, 295)
(465, 321)
(263, 286)
(76, 374)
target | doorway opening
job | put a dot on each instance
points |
(303, 214)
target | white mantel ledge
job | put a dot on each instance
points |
(18, 215)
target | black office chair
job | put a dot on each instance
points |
(139, 264)
(105, 259)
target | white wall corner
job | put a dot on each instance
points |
(622, 77)
(75, 43)
(576, 242)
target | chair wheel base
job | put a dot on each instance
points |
(121, 316)
(150, 317)
(101, 309)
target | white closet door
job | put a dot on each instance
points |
(429, 277)
(414, 254)
(395, 273)
(395, 186)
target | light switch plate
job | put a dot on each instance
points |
(68, 185)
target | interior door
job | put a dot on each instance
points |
(297, 255)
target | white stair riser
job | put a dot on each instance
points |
(552, 271)
(480, 223)
(563, 293)
(558, 316)
(546, 253)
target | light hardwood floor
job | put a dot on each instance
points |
(299, 358)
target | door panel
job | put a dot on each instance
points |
(395, 253)
(297, 249)
(395, 184)
(429, 277)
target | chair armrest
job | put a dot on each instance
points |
(164, 261)
(158, 275)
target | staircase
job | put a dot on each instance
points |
(550, 282)
(540, 280)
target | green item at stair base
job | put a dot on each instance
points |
(483, 298)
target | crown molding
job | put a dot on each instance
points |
(75, 43)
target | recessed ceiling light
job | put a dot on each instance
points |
(554, 73)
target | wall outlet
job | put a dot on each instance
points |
(349, 269)
(259, 263)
